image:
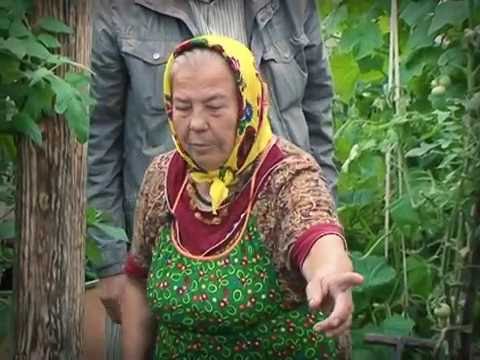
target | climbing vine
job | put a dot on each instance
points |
(407, 111)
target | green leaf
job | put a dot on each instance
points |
(113, 232)
(372, 76)
(371, 169)
(421, 150)
(420, 277)
(8, 150)
(10, 69)
(49, 41)
(8, 109)
(439, 102)
(358, 198)
(18, 29)
(375, 270)
(416, 12)
(384, 24)
(39, 100)
(36, 49)
(325, 7)
(55, 26)
(455, 57)
(363, 354)
(24, 124)
(345, 72)
(15, 46)
(38, 75)
(419, 62)
(91, 215)
(362, 39)
(448, 13)
(78, 79)
(357, 8)
(7, 229)
(397, 325)
(419, 37)
(63, 91)
(403, 212)
(76, 115)
(93, 253)
(18, 7)
(4, 23)
(376, 63)
(345, 138)
(333, 22)
(6, 4)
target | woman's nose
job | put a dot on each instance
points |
(198, 121)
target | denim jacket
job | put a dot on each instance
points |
(132, 40)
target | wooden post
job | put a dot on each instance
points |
(400, 343)
(49, 268)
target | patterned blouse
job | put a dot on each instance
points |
(241, 295)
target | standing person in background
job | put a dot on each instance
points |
(129, 126)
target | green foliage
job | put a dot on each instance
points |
(375, 271)
(53, 25)
(98, 220)
(412, 253)
(394, 325)
(448, 13)
(29, 88)
(346, 72)
(362, 39)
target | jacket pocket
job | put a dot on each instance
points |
(285, 66)
(145, 60)
(286, 50)
(152, 52)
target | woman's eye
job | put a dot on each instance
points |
(214, 108)
(182, 108)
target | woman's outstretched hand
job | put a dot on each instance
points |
(332, 294)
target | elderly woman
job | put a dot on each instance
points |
(237, 248)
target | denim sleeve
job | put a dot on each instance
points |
(105, 190)
(317, 102)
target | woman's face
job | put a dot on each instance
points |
(205, 108)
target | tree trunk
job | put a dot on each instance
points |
(49, 268)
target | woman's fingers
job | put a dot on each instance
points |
(341, 329)
(343, 282)
(336, 289)
(315, 294)
(327, 287)
(342, 311)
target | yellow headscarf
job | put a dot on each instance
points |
(253, 130)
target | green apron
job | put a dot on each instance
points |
(228, 308)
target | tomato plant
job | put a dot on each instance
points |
(409, 161)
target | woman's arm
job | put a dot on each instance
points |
(138, 330)
(328, 255)
(311, 242)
